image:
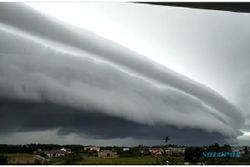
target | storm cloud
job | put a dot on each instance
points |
(56, 76)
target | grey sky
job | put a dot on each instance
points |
(75, 68)
(208, 46)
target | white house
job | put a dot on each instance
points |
(125, 149)
(92, 148)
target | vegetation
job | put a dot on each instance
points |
(166, 139)
(193, 154)
(147, 160)
(139, 155)
(20, 158)
(3, 160)
(31, 148)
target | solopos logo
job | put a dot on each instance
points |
(223, 154)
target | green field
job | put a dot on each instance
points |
(20, 158)
(23, 158)
(132, 161)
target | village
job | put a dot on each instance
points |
(92, 151)
(92, 154)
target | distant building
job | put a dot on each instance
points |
(175, 151)
(125, 149)
(143, 150)
(38, 151)
(92, 148)
(67, 150)
(156, 151)
(238, 149)
(107, 154)
(58, 153)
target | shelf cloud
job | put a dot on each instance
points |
(55, 76)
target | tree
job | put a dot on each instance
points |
(247, 153)
(71, 159)
(166, 139)
(43, 154)
(3, 160)
(193, 154)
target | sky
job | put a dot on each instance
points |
(123, 74)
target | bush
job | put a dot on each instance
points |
(71, 159)
(193, 154)
(3, 160)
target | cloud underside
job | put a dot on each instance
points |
(56, 77)
(22, 116)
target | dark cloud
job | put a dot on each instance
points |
(105, 49)
(78, 82)
(18, 116)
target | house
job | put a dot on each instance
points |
(67, 150)
(238, 149)
(156, 151)
(125, 149)
(38, 151)
(55, 153)
(175, 151)
(58, 153)
(143, 151)
(92, 148)
(107, 154)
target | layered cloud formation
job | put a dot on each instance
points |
(54, 76)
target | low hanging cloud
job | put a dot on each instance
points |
(53, 75)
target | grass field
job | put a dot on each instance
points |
(132, 161)
(20, 158)
(56, 161)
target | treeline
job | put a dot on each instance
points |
(30, 148)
